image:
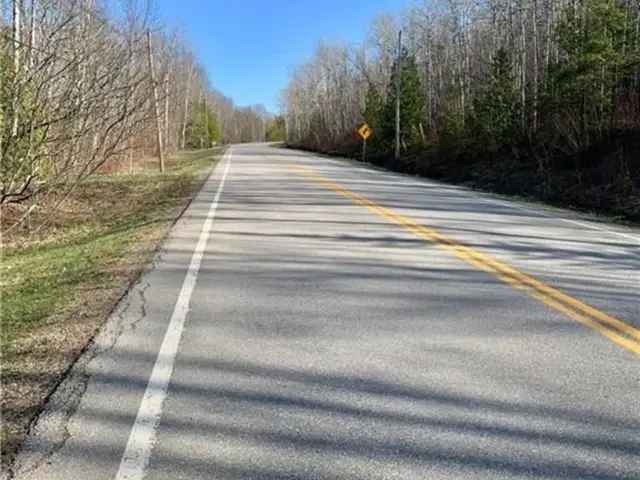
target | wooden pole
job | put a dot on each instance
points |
(364, 150)
(186, 109)
(206, 121)
(165, 120)
(17, 38)
(32, 36)
(167, 76)
(398, 87)
(155, 102)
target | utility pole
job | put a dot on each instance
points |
(155, 102)
(398, 93)
(183, 135)
(206, 121)
(32, 39)
(17, 38)
(17, 35)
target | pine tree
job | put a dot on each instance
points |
(495, 109)
(372, 115)
(276, 129)
(203, 129)
(214, 128)
(583, 84)
(412, 104)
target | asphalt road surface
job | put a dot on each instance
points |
(312, 318)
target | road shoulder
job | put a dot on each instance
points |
(589, 220)
(45, 364)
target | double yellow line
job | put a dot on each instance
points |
(616, 330)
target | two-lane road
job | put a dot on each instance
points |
(311, 318)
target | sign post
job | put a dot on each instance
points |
(365, 132)
(364, 150)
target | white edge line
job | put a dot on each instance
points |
(567, 220)
(143, 433)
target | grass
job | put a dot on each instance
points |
(59, 284)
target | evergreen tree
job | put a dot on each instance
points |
(214, 129)
(595, 61)
(372, 115)
(495, 108)
(203, 129)
(412, 104)
(276, 129)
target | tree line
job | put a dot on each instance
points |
(548, 83)
(89, 83)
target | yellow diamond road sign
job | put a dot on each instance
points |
(365, 131)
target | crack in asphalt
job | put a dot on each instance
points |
(49, 431)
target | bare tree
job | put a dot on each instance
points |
(454, 43)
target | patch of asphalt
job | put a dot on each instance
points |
(48, 431)
(553, 211)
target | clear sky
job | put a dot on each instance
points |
(250, 46)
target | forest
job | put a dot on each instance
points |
(539, 98)
(89, 86)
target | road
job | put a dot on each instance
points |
(312, 318)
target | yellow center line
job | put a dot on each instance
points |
(616, 330)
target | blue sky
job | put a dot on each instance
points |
(249, 47)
